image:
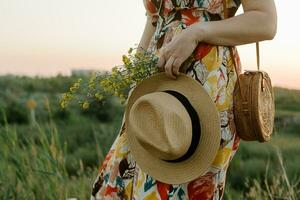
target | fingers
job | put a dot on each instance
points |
(176, 66)
(169, 66)
(161, 62)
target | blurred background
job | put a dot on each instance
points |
(47, 45)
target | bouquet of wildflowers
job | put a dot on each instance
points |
(137, 65)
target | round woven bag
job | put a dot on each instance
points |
(254, 107)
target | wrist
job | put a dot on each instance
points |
(199, 32)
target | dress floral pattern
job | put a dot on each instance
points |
(120, 177)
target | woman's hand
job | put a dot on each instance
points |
(257, 23)
(177, 51)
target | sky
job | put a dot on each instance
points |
(46, 37)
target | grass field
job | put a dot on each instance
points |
(57, 155)
(41, 167)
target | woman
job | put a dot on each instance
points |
(191, 36)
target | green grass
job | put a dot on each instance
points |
(31, 165)
(35, 168)
(58, 157)
(257, 163)
(287, 99)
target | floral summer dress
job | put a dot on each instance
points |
(120, 177)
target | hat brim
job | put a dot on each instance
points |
(201, 160)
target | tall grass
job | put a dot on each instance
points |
(274, 184)
(274, 187)
(35, 167)
(36, 163)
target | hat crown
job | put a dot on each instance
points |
(161, 125)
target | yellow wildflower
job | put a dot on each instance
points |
(63, 104)
(91, 85)
(125, 60)
(99, 96)
(85, 105)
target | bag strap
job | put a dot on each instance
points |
(257, 56)
(231, 51)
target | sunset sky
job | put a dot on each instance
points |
(44, 37)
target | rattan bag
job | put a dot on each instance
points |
(253, 105)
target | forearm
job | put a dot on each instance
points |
(251, 26)
(147, 34)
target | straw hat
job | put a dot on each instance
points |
(172, 127)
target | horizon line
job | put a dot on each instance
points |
(87, 71)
